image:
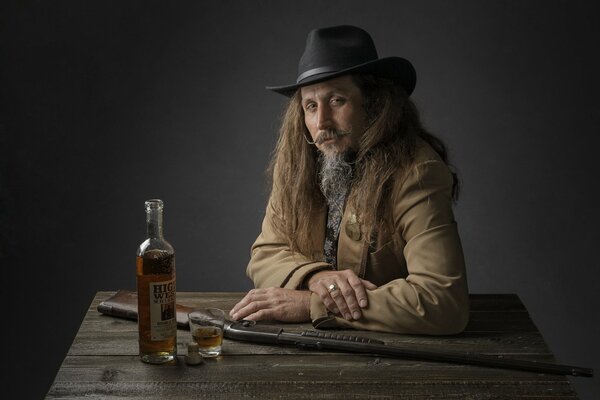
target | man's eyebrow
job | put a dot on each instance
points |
(329, 93)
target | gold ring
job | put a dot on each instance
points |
(332, 288)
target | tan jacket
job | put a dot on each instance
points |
(419, 268)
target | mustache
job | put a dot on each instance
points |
(331, 134)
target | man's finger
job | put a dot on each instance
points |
(340, 300)
(369, 285)
(252, 295)
(250, 308)
(351, 299)
(259, 315)
(239, 305)
(323, 293)
(359, 291)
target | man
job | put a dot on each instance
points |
(359, 230)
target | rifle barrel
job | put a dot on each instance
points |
(247, 331)
(460, 358)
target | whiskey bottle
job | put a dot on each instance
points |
(155, 262)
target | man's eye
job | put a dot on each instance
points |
(310, 106)
(337, 100)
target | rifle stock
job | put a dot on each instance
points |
(250, 332)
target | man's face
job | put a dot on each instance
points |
(332, 106)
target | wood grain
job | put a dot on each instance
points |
(102, 362)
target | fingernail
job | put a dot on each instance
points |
(363, 303)
(348, 316)
(356, 315)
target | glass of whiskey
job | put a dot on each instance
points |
(206, 327)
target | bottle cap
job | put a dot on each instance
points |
(193, 357)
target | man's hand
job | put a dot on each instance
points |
(277, 304)
(349, 295)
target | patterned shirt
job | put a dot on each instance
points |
(334, 219)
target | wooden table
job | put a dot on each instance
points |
(103, 363)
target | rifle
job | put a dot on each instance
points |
(248, 331)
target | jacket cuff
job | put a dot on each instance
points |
(296, 277)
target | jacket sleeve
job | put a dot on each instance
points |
(433, 298)
(273, 264)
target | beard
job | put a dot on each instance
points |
(335, 173)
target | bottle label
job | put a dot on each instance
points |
(163, 317)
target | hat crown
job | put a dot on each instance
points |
(344, 49)
(334, 49)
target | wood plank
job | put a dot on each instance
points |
(266, 389)
(327, 376)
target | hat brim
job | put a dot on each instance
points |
(397, 69)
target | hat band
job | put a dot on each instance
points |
(316, 71)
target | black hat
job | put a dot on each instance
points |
(339, 50)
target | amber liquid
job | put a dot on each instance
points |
(154, 266)
(208, 337)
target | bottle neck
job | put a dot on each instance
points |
(154, 223)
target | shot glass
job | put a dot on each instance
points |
(206, 326)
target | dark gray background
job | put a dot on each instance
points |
(107, 104)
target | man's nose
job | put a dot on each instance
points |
(324, 118)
